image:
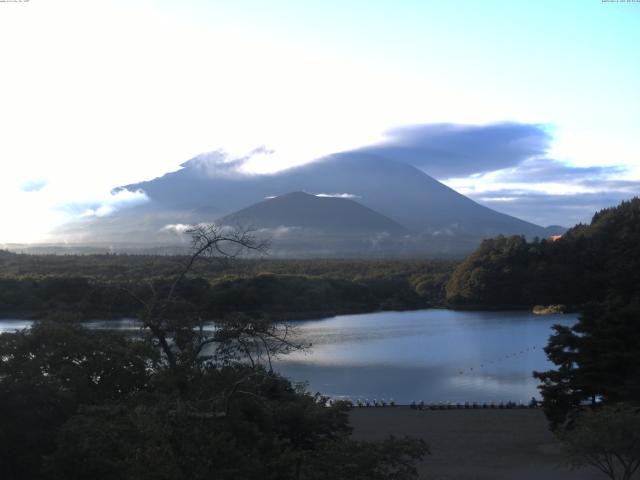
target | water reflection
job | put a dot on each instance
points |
(14, 325)
(430, 355)
(11, 325)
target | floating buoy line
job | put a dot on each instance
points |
(498, 360)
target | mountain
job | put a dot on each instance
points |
(209, 187)
(323, 214)
(304, 225)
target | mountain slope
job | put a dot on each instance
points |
(208, 187)
(405, 194)
(299, 209)
(399, 191)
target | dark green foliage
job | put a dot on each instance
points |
(597, 361)
(274, 433)
(492, 275)
(86, 366)
(607, 438)
(288, 295)
(589, 263)
(47, 373)
(30, 416)
(106, 286)
(77, 404)
(94, 443)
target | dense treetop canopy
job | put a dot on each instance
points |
(589, 262)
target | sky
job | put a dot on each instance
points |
(530, 108)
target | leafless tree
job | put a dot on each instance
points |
(179, 332)
(257, 341)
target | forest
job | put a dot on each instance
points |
(106, 286)
(588, 263)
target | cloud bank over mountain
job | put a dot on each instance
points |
(114, 202)
(508, 166)
(450, 150)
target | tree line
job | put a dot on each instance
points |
(101, 286)
(588, 263)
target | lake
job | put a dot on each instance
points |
(431, 355)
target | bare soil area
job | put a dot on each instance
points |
(475, 444)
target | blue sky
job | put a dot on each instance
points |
(531, 108)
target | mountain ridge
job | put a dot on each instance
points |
(304, 210)
(209, 187)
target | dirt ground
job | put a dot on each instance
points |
(475, 444)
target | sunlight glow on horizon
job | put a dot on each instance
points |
(100, 94)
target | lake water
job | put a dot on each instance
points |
(430, 355)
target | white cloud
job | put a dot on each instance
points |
(337, 195)
(30, 216)
(116, 201)
(178, 228)
(378, 238)
(33, 185)
(278, 232)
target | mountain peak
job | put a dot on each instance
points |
(305, 210)
(350, 192)
(293, 195)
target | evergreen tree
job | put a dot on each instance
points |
(597, 362)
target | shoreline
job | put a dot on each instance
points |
(286, 316)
